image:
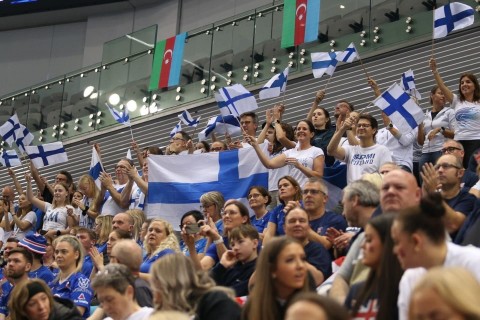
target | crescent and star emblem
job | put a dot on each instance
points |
(165, 58)
(301, 11)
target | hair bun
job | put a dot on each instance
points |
(432, 205)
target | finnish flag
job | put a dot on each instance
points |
(407, 83)
(450, 17)
(275, 86)
(401, 108)
(47, 154)
(96, 167)
(188, 120)
(324, 62)
(10, 130)
(9, 158)
(235, 100)
(349, 55)
(119, 116)
(175, 129)
(221, 125)
(172, 192)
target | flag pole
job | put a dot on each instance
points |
(328, 81)
(131, 132)
(433, 31)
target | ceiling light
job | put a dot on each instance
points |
(114, 99)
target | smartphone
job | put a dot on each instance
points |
(192, 229)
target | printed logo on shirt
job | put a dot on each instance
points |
(81, 297)
(361, 159)
(83, 283)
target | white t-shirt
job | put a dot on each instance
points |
(30, 217)
(445, 118)
(274, 174)
(467, 115)
(305, 157)
(110, 207)
(457, 256)
(55, 219)
(401, 148)
(141, 314)
(365, 160)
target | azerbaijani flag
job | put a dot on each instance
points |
(167, 62)
(300, 22)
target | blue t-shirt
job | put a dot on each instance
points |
(277, 216)
(102, 248)
(43, 273)
(199, 246)
(77, 289)
(319, 257)
(6, 290)
(148, 261)
(87, 266)
(260, 224)
(212, 250)
(328, 220)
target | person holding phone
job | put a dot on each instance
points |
(192, 221)
(59, 214)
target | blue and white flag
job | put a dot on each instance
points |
(24, 138)
(407, 83)
(349, 55)
(119, 116)
(450, 17)
(175, 129)
(46, 154)
(235, 100)
(172, 192)
(96, 167)
(221, 125)
(324, 62)
(9, 158)
(275, 86)
(188, 120)
(401, 108)
(129, 154)
(10, 130)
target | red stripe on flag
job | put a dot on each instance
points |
(300, 21)
(167, 62)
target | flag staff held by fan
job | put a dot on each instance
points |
(17, 136)
(451, 17)
(121, 117)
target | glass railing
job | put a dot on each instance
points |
(244, 49)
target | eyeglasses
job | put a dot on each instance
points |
(206, 206)
(177, 139)
(228, 212)
(216, 149)
(313, 191)
(446, 166)
(363, 125)
(449, 149)
(253, 196)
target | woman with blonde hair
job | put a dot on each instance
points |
(33, 300)
(87, 186)
(176, 285)
(23, 220)
(159, 241)
(70, 282)
(103, 227)
(450, 293)
(138, 218)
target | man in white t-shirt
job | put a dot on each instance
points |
(364, 158)
(112, 201)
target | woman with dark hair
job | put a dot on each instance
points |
(421, 241)
(290, 190)
(194, 219)
(33, 300)
(176, 285)
(100, 261)
(24, 220)
(439, 124)
(467, 109)
(234, 214)
(202, 147)
(305, 160)
(258, 199)
(281, 272)
(379, 293)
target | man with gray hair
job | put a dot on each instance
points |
(129, 253)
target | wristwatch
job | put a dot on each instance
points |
(390, 125)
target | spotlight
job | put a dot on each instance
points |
(155, 97)
(94, 95)
(178, 97)
(255, 75)
(213, 78)
(63, 125)
(332, 43)
(88, 91)
(376, 30)
(203, 89)
(91, 116)
(99, 113)
(229, 81)
(229, 73)
(90, 124)
(203, 81)
(408, 20)
(363, 34)
(99, 121)
(40, 138)
(376, 39)
(76, 128)
(290, 63)
(245, 69)
(62, 132)
(302, 52)
(274, 60)
(245, 77)
(55, 127)
(82, 75)
(212, 87)
(273, 69)
(143, 111)
(409, 29)
(114, 99)
(126, 60)
(96, 70)
(153, 108)
(363, 42)
(256, 66)
(78, 120)
(132, 105)
(179, 89)
(54, 134)
(302, 61)
(290, 55)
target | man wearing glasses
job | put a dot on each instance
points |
(180, 143)
(367, 157)
(446, 176)
(455, 148)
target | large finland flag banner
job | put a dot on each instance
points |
(177, 182)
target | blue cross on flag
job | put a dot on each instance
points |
(172, 192)
(96, 167)
(221, 125)
(275, 86)
(324, 62)
(407, 83)
(188, 119)
(9, 158)
(119, 116)
(46, 154)
(349, 55)
(401, 108)
(178, 127)
(450, 17)
(235, 100)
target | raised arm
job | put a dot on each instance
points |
(138, 152)
(36, 176)
(34, 200)
(268, 121)
(277, 162)
(333, 147)
(318, 98)
(17, 184)
(438, 79)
